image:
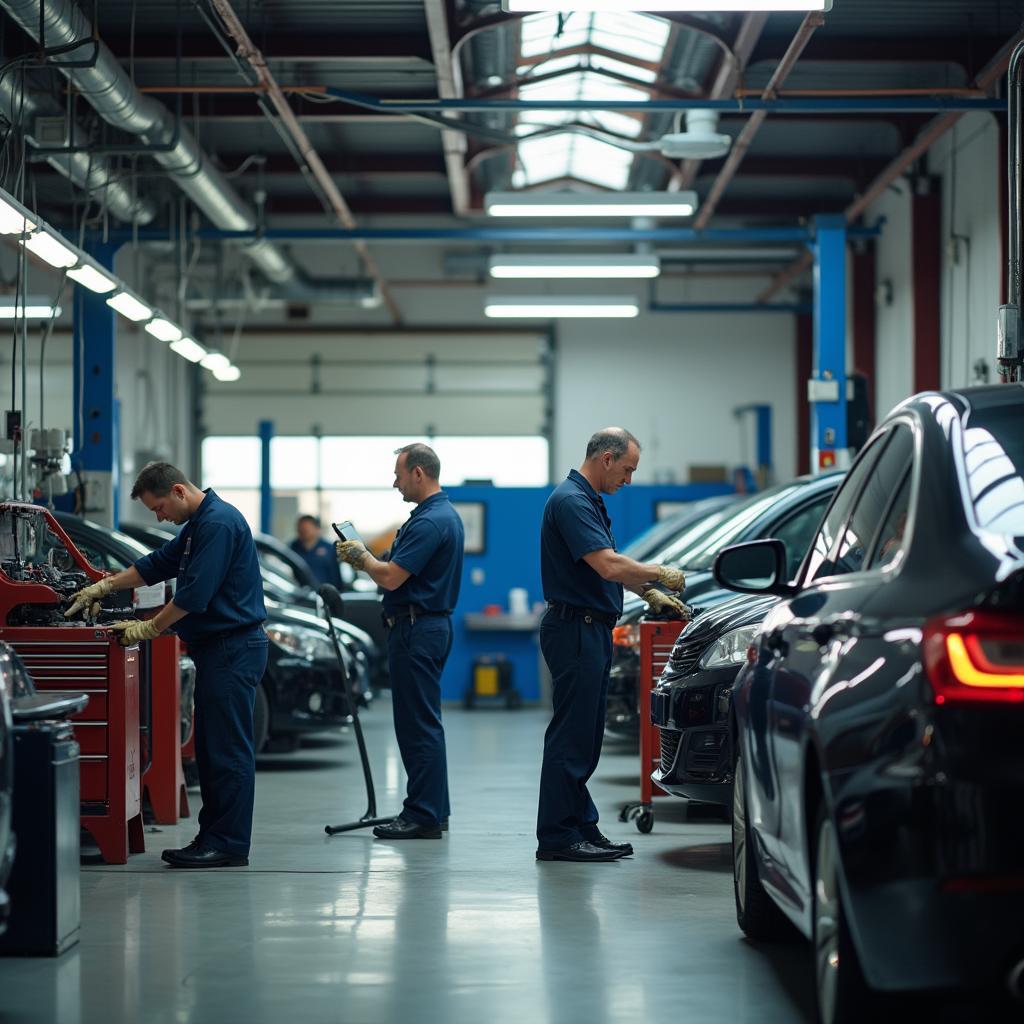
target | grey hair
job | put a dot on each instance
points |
(612, 439)
(422, 455)
(157, 478)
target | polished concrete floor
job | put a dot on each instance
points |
(467, 930)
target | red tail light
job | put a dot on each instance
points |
(975, 656)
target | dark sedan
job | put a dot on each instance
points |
(879, 762)
(7, 839)
(790, 511)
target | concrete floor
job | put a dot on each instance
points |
(467, 930)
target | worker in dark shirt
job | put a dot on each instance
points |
(583, 575)
(421, 583)
(218, 612)
(316, 552)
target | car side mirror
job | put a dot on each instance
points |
(755, 568)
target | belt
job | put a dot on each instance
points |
(408, 611)
(213, 638)
(570, 611)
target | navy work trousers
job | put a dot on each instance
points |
(417, 652)
(228, 670)
(579, 656)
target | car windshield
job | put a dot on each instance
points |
(659, 535)
(994, 468)
(697, 548)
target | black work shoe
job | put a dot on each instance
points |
(168, 855)
(584, 852)
(444, 824)
(402, 829)
(203, 857)
(604, 843)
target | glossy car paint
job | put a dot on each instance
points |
(925, 800)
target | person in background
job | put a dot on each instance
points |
(317, 553)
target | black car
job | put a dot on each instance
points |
(879, 728)
(790, 511)
(662, 533)
(691, 703)
(300, 690)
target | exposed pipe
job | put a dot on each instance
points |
(248, 51)
(107, 87)
(1008, 334)
(933, 131)
(808, 27)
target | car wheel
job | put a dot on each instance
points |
(756, 913)
(842, 993)
(260, 720)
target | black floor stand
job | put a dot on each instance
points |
(333, 609)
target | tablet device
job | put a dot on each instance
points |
(346, 531)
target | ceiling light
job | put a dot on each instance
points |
(214, 361)
(227, 373)
(13, 221)
(30, 311)
(627, 265)
(93, 279)
(189, 348)
(575, 204)
(621, 6)
(163, 330)
(128, 306)
(548, 307)
(47, 248)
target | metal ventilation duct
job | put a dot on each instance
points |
(113, 95)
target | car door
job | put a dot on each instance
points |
(824, 629)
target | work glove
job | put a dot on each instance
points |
(666, 604)
(352, 551)
(89, 599)
(671, 579)
(134, 632)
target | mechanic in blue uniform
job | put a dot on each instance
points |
(316, 552)
(583, 576)
(421, 581)
(218, 612)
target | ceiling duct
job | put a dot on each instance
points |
(349, 293)
(113, 95)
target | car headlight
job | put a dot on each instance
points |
(306, 643)
(730, 648)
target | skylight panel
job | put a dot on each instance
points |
(618, 124)
(567, 63)
(637, 35)
(539, 33)
(599, 162)
(544, 159)
(619, 67)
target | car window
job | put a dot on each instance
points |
(796, 533)
(825, 540)
(276, 564)
(94, 556)
(993, 445)
(879, 486)
(889, 547)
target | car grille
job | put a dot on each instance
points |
(689, 647)
(669, 748)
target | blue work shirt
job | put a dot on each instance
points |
(218, 575)
(321, 559)
(576, 523)
(429, 546)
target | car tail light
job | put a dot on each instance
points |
(976, 656)
(626, 636)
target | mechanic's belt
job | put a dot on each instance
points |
(408, 611)
(588, 615)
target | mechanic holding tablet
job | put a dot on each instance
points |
(421, 584)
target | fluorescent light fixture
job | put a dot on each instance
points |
(628, 265)
(48, 248)
(13, 220)
(163, 330)
(545, 307)
(227, 373)
(93, 279)
(190, 349)
(575, 204)
(30, 311)
(128, 306)
(215, 361)
(649, 6)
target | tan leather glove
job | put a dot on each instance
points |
(666, 604)
(671, 579)
(135, 632)
(352, 551)
(89, 599)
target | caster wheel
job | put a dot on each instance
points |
(645, 821)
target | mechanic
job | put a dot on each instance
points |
(421, 580)
(218, 612)
(316, 552)
(583, 576)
